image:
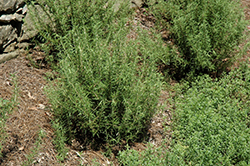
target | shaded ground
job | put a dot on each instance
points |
(33, 116)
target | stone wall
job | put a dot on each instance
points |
(17, 30)
(14, 33)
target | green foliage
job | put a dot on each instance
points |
(59, 141)
(150, 157)
(108, 86)
(206, 32)
(59, 19)
(4, 109)
(106, 92)
(212, 121)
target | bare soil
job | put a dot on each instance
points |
(33, 115)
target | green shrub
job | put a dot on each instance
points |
(105, 93)
(212, 121)
(106, 90)
(56, 19)
(206, 32)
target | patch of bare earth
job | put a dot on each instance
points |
(246, 57)
(25, 123)
(33, 115)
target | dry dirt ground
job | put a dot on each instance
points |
(25, 145)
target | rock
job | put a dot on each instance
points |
(22, 10)
(25, 9)
(17, 27)
(23, 45)
(8, 56)
(7, 35)
(19, 3)
(11, 47)
(29, 29)
(11, 17)
(41, 106)
(9, 6)
(19, 10)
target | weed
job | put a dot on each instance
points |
(35, 150)
(6, 107)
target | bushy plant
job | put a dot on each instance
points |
(206, 32)
(106, 91)
(212, 121)
(55, 19)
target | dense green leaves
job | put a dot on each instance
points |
(106, 91)
(107, 86)
(207, 33)
(210, 125)
(102, 91)
(212, 120)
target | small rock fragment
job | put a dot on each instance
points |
(41, 106)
